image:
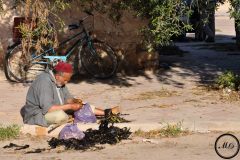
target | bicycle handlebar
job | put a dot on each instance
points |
(73, 26)
(88, 12)
(76, 26)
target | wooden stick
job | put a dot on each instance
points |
(58, 125)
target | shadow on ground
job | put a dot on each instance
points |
(201, 60)
(195, 61)
(121, 80)
(198, 61)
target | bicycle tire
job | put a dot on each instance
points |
(100, 62)
(18, 68)
(5, 64)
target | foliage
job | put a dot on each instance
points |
(228, 80)
(165, 16)
(114, 9)
(235, 13)
(8, 132)
(37, 30)
(164, 19)
(40, 30)
(235, 10)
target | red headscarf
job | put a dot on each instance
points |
(64, 67)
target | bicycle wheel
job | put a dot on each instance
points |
(18, 66)
(98, 59)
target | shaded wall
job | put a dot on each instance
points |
(6, 22)
(124, 36)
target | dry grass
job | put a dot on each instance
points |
(191, 100)
(171, 130)
(158, 106)
(203, 89)
(222, 93)
(162, 106)
(155, 94)
(231, 96)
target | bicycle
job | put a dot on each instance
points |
(95, 56)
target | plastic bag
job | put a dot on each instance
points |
(71, 131)
(85, 114)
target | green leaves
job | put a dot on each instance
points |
(164, 15)
(235, 10)
(228, 80)
(60, 5)
(164, 19)
(7, 132)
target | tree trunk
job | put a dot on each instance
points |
(206, 27)
(237, 29)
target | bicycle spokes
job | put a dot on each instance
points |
(100, 61)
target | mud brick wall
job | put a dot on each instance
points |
(123, 37)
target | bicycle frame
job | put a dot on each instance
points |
(93, 56)
(79, 42)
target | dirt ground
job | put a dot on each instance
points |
(191, 147)
(167, 95)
